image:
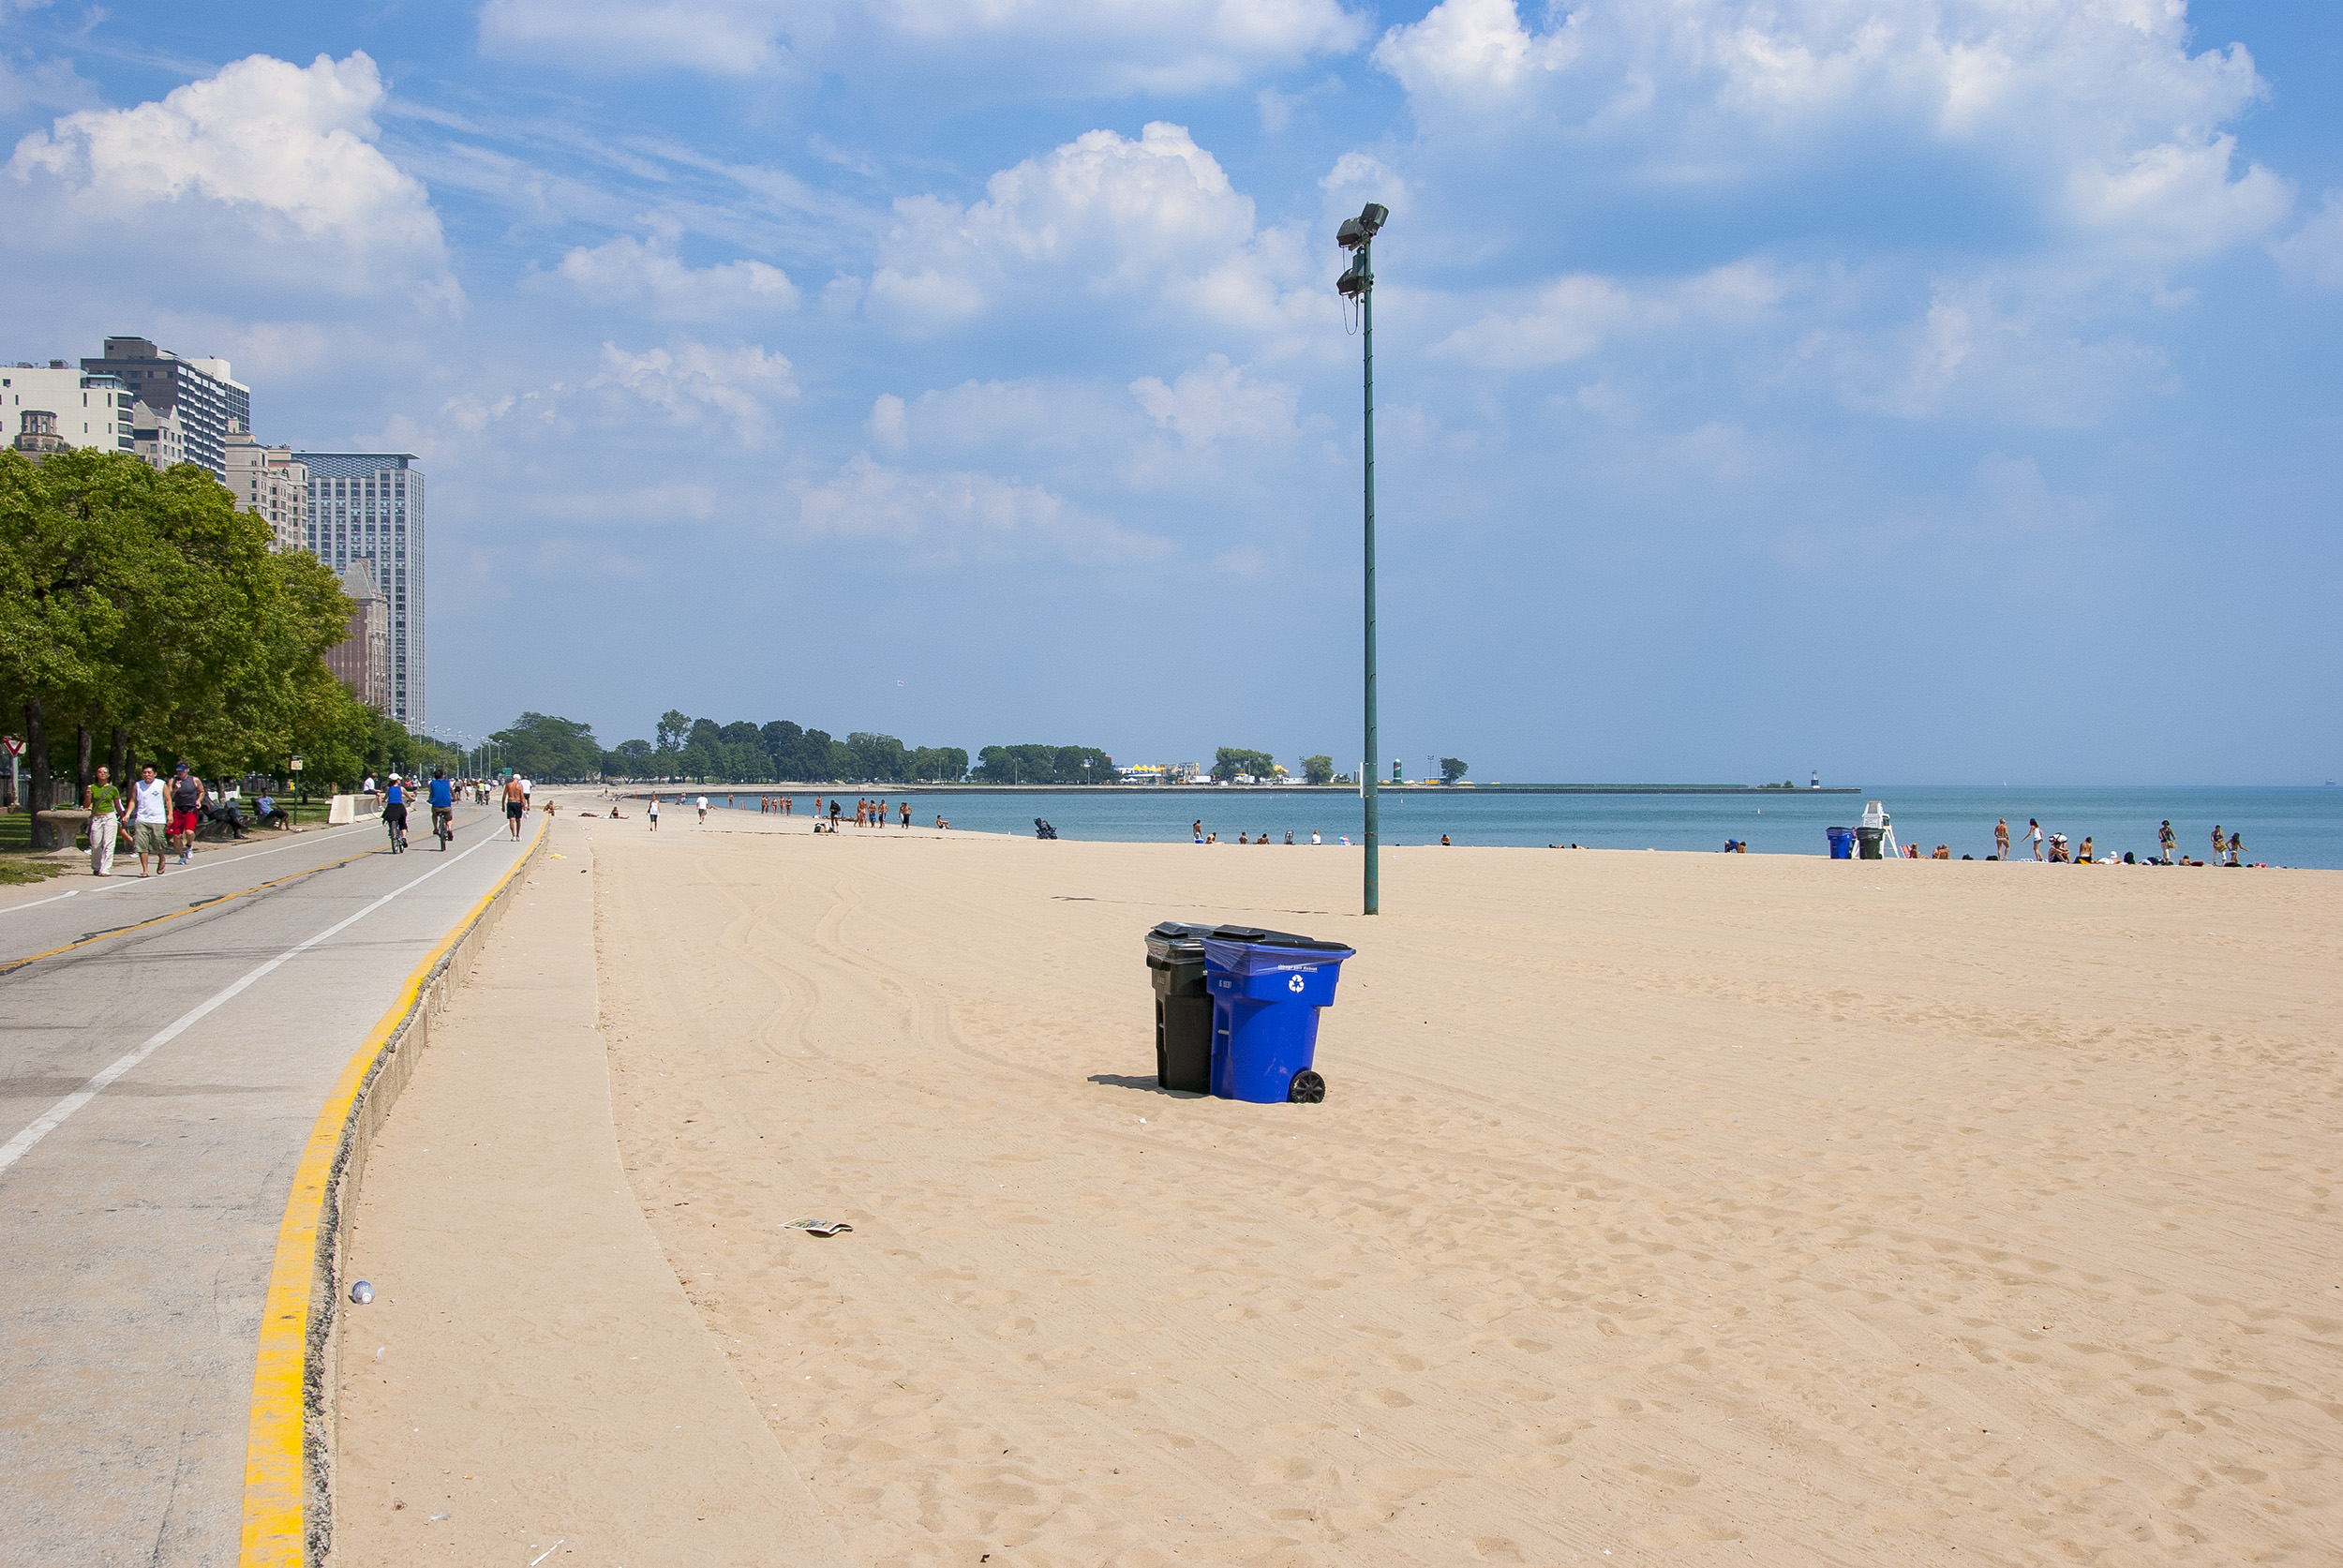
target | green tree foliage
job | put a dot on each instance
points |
(147, 604)
(938, 765)
(1317, 769)
(1231, 762)
(1037, 764)
(1451, 769)
(542, 746)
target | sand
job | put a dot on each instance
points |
(1687, 1207)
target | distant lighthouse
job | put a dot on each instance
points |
(1817, 783)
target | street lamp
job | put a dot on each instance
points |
(1357, 235)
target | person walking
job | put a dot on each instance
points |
(2034, 836)
(2001, 838)
(150, 820)
(2236, 849)
(104, 804)
(654, 811)
(2219, 844)
(703, 804)
(833, 814)
(2167, 840)
(186, 810)
(516, 803)
(906, 814)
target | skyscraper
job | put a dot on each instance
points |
(266, 480)
(200, 390)
(368, 506)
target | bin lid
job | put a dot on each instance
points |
(1178, 941)
(1249, 950)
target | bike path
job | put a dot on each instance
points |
(142, 1208)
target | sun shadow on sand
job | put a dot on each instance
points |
(1146, 1083)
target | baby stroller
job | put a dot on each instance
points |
(1042, 830)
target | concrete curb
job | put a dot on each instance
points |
(288, 1482)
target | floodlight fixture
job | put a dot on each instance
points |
(1373, 216)
(1351, 236)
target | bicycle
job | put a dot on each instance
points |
(397, 829)
(444, 826)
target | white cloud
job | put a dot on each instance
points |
(628, 271)
(2315, 251)
(1975, 354)
(1217, 401)
(287, 151)
(2093, 113)
(691, 381)
(1575, 316)
(1066, 45)
(1153, 219)
(943, 519)
(43, 84)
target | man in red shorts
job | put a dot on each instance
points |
(186, 805)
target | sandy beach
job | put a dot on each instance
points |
(1679, 1207)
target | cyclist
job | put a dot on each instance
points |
(395, 815)
(442, 806)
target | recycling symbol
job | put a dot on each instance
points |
(1294, 984)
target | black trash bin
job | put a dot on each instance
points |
(1175, 964)
(1868, 844)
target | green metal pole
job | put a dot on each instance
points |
(1373, 746)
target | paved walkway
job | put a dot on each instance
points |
(156, 1087)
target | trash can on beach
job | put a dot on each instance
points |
(1267, 989)
(1867, 839)
(1175, 965)
(1842, 843)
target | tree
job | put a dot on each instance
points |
(1451, 769)
(939, 764)
(1317, 769)
(545, 747)
(674, 727)
(878, 757)
(1230, 762)
(146, 603)
(1040, 764)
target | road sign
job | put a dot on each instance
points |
(13, 746)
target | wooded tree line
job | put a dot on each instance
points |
(143, 617)
(544, 746)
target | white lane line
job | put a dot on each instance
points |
(54, 1117)
(128, 882)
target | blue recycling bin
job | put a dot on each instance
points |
(1842, 843)
(1267, 988)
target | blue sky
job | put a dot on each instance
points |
(1932, 391)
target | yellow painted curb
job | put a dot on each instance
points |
(284, 1442)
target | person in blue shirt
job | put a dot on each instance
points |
(443, 805)
(395, 811)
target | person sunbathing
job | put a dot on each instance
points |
(1944, 852)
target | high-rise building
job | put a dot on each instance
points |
(89, 409)
(208, 402)
(368, 506)
(269, 480)
(362, 661)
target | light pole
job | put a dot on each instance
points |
(1357, 235)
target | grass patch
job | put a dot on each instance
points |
(17, 864)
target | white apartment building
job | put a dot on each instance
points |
(270, 481)
(92, 409)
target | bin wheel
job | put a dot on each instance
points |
(1307, 1089)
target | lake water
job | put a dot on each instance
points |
(2287, 826)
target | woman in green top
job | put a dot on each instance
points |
(105, 821)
